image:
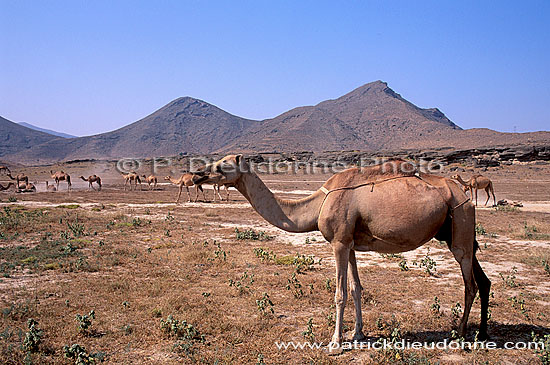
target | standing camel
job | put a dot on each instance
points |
(151, 179)
(5, 169)
(388, 208)
(91, 179)
(132, 177)
(214, 179)
(61, 176)
(477, 182)
(50, 187)
(19, 178)
(188, 179)
(10, 184)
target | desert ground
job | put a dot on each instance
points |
(212, 282)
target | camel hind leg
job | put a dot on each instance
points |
(484, 285)
(488, 190)
(459, 239)
(463, 249)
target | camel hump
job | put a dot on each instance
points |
(371, 174)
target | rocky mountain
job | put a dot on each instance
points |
(185, 125)
(15, 138)
(372, 117)
(49, 131)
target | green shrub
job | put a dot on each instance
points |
(251, 234)
(33, 337)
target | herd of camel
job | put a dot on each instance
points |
(384, 208)
(131, 179)
(197, 179)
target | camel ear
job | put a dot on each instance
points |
(238, 158)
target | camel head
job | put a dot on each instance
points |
(167, 178)
(232, 167)
(455, 176)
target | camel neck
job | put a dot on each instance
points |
(460, 180)
(290, 215)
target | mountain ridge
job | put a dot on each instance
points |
(370, 117)
(45, 130)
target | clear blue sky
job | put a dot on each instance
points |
(86, 67)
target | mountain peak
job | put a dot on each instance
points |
(185, 100)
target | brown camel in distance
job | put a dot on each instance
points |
(150, 180)
(188, 179)
(61, 176)
(132, 177)
(214, 180)
(26, 188)
(477, 182)
(50, 187)
(19, 178)
(5, 169)
(386, 208)
(10, 184)
(91, 179)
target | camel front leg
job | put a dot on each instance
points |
(487, 192)
(463, 249)
(179, 194)
(356, 289)
(476, 195)
(341, 255)
(217, 190)
(188, 194)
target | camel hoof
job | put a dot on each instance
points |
(359, 336)
(335, 349)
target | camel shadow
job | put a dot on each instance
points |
(499, 333)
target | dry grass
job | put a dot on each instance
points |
(137, 265)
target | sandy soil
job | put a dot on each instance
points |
(139, 248)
